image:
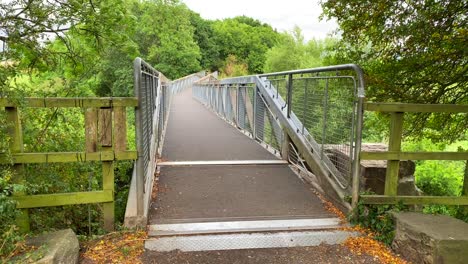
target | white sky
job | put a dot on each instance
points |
(282, 15)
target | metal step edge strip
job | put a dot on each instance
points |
(247, 241)
(231, 231)
(251, 225)
(234, 218)
(222, 162)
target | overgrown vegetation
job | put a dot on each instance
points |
(377, 218)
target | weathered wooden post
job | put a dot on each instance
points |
(91, 129)
(120, 128)
(105, 142)
(394, 144)
(16, 146)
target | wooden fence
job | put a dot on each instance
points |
(106, 141)
(394, 154)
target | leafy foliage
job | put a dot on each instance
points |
(292, 52)
(246, 39)
(440, 178)
(377, 218)
(232, 67)
(411, 52)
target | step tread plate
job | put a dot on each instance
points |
(247, 240)
(243, 226)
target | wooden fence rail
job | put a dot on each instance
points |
(394, 154)
(106, 141)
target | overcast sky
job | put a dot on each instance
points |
(282, 15)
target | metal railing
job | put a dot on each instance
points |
(318, 110)
(154, 92)
(239, 105)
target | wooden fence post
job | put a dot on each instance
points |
(91, 129)
(394, 144)
(120, 128)
(16, 146)
(105, 142)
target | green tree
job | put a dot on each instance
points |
(292, 52)
(245, 38)
(412, 52)
(205, 38)
(165, 37)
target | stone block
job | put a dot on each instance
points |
(60, 247)
(373, 171)
(423, 238)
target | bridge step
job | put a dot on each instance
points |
(222, 162)
(229, 235)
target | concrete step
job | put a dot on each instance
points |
(252, 234)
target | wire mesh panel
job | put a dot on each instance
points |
(267, 126)
(147, 89)
(323, 106)
(154, 92)
(240, 105)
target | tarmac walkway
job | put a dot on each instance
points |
(223, 192)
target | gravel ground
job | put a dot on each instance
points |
(333, 254)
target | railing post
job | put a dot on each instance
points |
(290, 91)
(237, 105)
(285, 145)
(394, 144)
(139, 181)
(259, 116)
(254, 112)
(16, 146)
(324, 124)
(105, 142)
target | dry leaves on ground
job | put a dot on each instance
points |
(365, 244)
(330, 207)
(368, 245)
(119, 247)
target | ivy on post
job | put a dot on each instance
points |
(394, 144)
(105, 143)
(16, 146)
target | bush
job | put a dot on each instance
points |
(8, 213)
(377, 218)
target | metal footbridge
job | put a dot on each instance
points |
(235, 163)
(239, 162)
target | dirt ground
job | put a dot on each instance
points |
(333, 254)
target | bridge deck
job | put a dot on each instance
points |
(195, 133)
(224, 191)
